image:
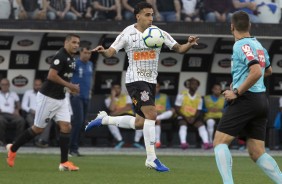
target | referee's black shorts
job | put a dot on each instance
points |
(142, 94)
(248, 114)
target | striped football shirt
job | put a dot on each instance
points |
(143, 61)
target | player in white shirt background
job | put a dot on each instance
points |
(141, 78)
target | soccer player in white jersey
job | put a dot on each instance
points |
(140, 79)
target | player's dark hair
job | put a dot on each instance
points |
(69, 36)
(140, 6)
(84, 47)
(241, 21)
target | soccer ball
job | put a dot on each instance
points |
(153, 37)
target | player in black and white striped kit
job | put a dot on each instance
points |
(51, 103)
(141, 80)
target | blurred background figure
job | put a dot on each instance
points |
(188, 106)
(32, 9)
(164, 110)
(167, 10)
(128, 8)
(213, 107)
(10, 117)
(191, 10)
(60, 10)
(107, 10)
(29, 102)
(82, 75)
(217, 11)
(82, 9)
(5, 9)
(248, 6)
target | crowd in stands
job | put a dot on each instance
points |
(165, 10)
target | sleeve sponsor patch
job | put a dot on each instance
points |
(248, 52)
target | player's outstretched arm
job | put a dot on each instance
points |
(105, 52)
(192, 40)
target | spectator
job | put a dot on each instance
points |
(248, 6)
(9, 111)
(164, 110)
(82, 75)
(82, 9)
(213, 106)
(5, 9)
(188, 105)
(60, 9)
(128, 5)
(29, 101)
(107, 10)
(167, 10)
(191, 10)
(120, 104)
(217, 11)
(32, 9)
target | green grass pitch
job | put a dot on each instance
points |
(43, 169)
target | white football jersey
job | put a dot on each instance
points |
(143, 61)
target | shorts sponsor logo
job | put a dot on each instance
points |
(144, 55)
(224, 63)
(25, 43)
(248, 52)
(144, 96)
(20, 81)
(144, 72)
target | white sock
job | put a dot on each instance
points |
(126, 121)
(150, 138)
(210, 127)
(203, 134)
(182, 134)
(138, 135)
(158, 133)
(270, 167)
(115, 132)
(165, 115)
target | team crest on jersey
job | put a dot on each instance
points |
(144, 96)
(56, 62)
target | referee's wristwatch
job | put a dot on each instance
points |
(235, 91)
